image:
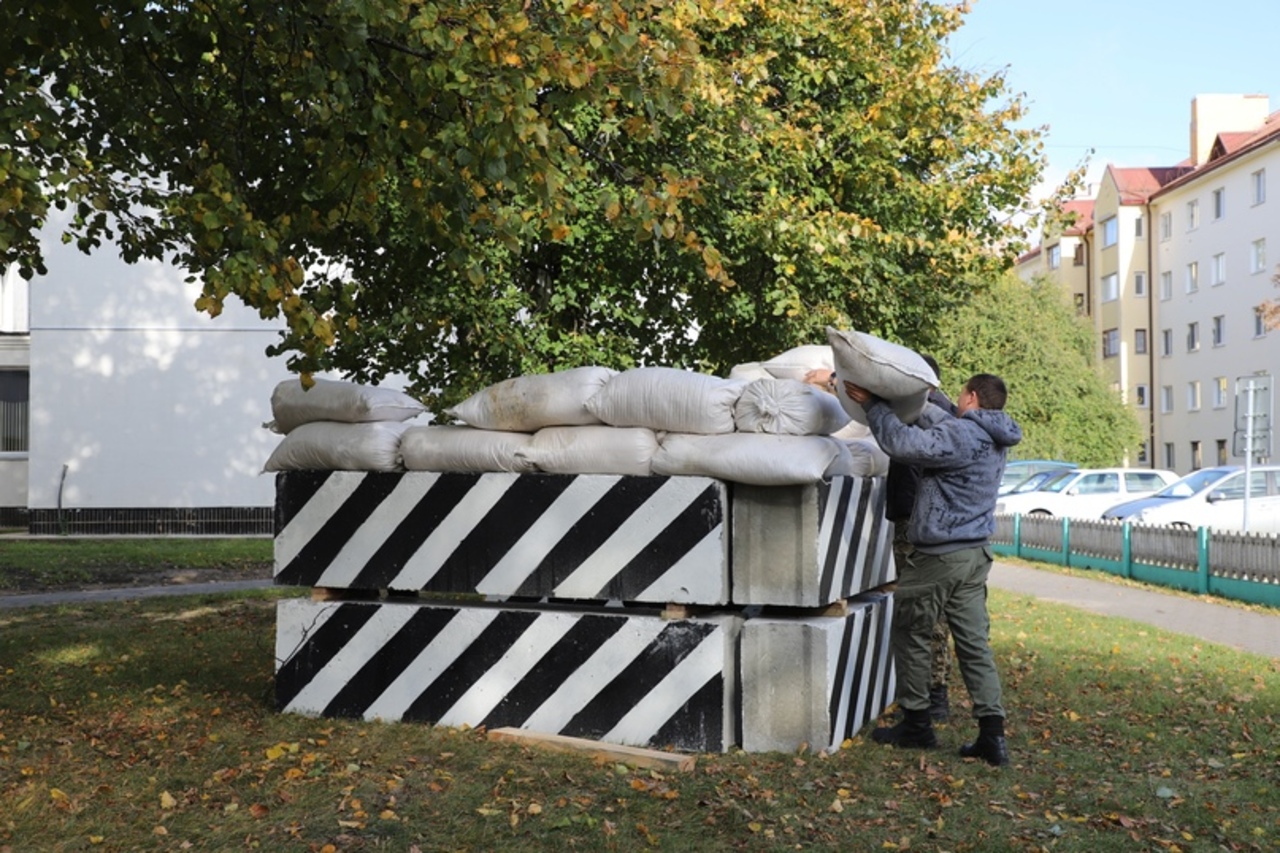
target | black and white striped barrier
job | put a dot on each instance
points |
(815, 680)
(608, 674)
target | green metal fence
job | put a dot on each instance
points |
(1238, 566)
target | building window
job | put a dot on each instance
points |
(1259, 322)
(15, 397)
(1140, 395)
(1193, 396)
(1166, 285)
(1220, 392)
(1142, 452)
(1140, 341)
(1077, 255)
(1193, 214)
(1110, 232)
(1166, 398)
(1258, 186)
(1219, 203)
(1258, 255)
(1110, 287)
(1219, 330)
(1193, 277)
(1169, 456)
(1139, 228)
(1111, 343)
(1078, 298)
(1055, 256)
(1196, 462)
(1166, 341)
(1193, 336)
(1222, 451)
(1140, 284)
(1218, 269)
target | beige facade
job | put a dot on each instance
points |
(1176, 267)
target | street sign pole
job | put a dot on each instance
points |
(1253, 427)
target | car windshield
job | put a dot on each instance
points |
(1192, 483)
(1058, 481)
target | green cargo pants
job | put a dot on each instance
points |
(953, 585)
(940, 655)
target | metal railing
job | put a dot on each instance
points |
(1230, 564)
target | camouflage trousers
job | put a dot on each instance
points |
(940, 645)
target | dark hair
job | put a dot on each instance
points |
(933, 362)
(990, 389)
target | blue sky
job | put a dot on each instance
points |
(1118, 76)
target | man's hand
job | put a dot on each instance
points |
(857, 393)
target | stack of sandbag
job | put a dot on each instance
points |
(339, 426)
(762, 425)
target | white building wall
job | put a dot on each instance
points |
(1241, 352)
(137, 400)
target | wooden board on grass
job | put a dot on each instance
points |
(634, 755)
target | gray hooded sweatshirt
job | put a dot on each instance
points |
(961, 461)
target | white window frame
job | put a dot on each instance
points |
(1141, 396)
(1166, 399)
(1193, 214)
(1166, 342)
(1169, 456)
(1258, 186)
(1140, 284)
(1193, 277)
(1140, 342)
(1219, 203)
(1139, 227)
(1110, 232)
(1218, 330)
(1110, 287)
(1258, 255)
(1054, 256)
(1166, 286)
(1259, 326)
(1218, 269)
(1193, 395)
(1220, 392)
(1193, 336)
(1166, 226)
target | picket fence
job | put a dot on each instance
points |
(1238, 566)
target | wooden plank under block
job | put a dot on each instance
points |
(600, 752)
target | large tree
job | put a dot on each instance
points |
(464, 191)
(1029, 334)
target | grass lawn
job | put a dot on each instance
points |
(28, 565)
(150, 726)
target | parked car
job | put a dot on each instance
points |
(1017, 471)
(1211, 497)
(1033, 482)
(1086, 492)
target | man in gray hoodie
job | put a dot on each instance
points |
(961, 459)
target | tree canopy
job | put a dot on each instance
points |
(465, 191)
(1030, 336)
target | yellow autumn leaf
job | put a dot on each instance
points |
(167, 801)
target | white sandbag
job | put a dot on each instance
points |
(788, 407)
(754, 458)
(592, 450)
(749, 371)
(865, 459)
(332, 446)
(340, 401)
(668, 399)
(892, 371)
(464, 448)
(853, 430)
(529, 403)
(797, 361)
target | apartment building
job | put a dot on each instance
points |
(15, 395)
(1175, 268)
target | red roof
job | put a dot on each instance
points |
(1083, 209)
(1136, 185)
(1230, 145)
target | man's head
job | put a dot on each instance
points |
(933, 362)
(982, 391)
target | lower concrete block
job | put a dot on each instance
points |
(815, 680)
(624, 676)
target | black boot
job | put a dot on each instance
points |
(915, 731)
(990, 745)
(939, 707)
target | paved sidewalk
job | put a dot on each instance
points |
(128, 593)
(1198, 617)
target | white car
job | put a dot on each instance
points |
(1086, 492)
(1214, 497)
